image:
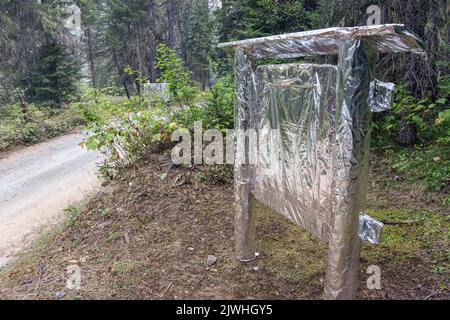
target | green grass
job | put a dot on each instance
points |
(123, 267)
(424, 236)
(114, 236)
(429, 165)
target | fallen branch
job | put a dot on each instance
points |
(432, 294)
(396, 223)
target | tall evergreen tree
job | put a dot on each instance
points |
(54, 80)
(200, 41)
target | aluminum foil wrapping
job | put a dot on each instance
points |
(370, 229)
(388, 38)
(245, 119)
(381, 95)
(296, 119)
(350, 166)
(315, 121)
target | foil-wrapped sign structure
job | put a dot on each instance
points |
(158, 90)
(312, 125)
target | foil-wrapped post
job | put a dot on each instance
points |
(244, 219)
(381, 95)
(351, 160)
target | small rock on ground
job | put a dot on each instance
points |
(212, 260)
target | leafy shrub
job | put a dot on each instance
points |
(11, 112)
(9, 135)
(127, 131)
(113, 91)
(94, 106)
(128, 137)
(173, 72)
(35, 115)
(62, 123)
(216, 113)
(32, 126)
(31, 132)
(219, 110)
(11, 120)
(185, 118)
(443, 121)
(422, 113)
(429, 160)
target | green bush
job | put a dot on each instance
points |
(173, 72)
(429, 160)
(127, 131)
(423, 113)
(218, 113)
(35, 124)
(62, 123)
(11, 121)
(10, 134)
(32, 132)
(185, 118)
(11, 112)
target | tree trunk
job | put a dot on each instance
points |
(6, 91)
(91, 58)
(120, 72)
(171, 21)
(152, 41)
(183, 27)
(407, 135)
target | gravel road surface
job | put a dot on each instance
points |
(37, 183)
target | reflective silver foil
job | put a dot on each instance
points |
(350, 166)
(381, 95)
(313, 127)
(370, 229)
(296, 108)
(382, 38)
(246, 92)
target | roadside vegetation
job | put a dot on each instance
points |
(18, 127)
(132, 129)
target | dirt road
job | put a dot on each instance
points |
(36, 184)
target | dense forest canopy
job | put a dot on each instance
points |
(126, 33)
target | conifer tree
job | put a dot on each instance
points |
(54, 79)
